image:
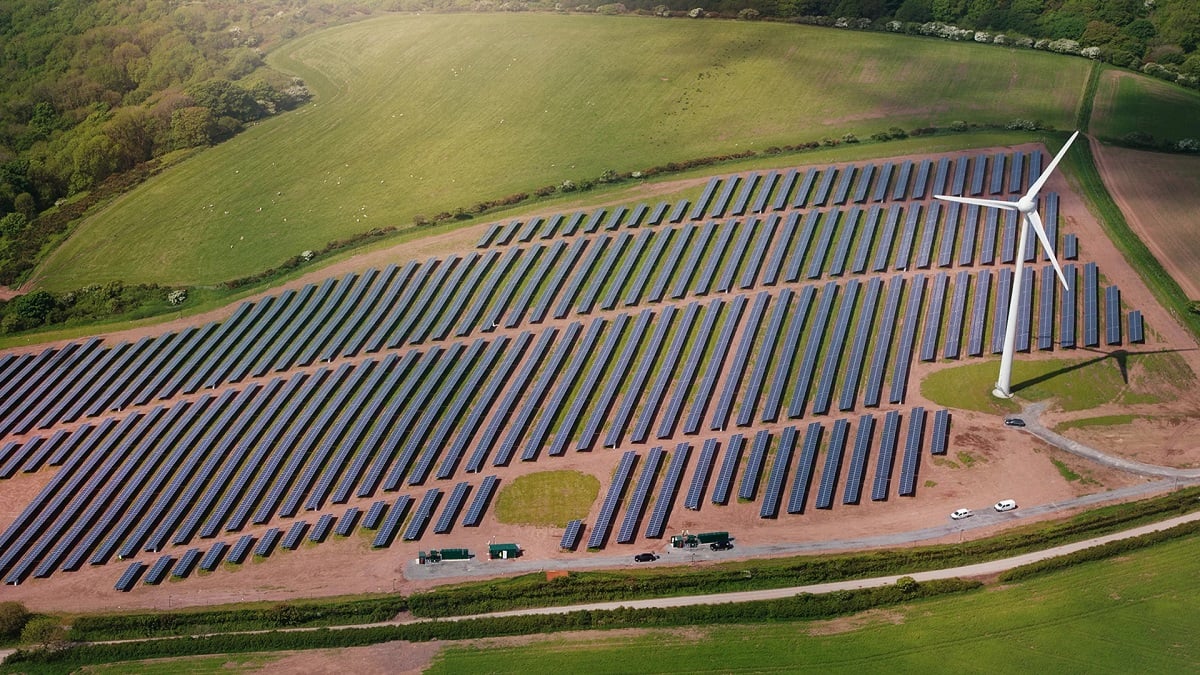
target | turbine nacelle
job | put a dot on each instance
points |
(1026, 205)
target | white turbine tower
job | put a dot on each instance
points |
(1027, 206)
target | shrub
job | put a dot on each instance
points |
(849, 138)
(177, 297)
(46, 632)
(958, 125)
(13, 617)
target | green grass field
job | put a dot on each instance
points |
(1126, 102)
(547, 498)
(1133, 613)
(420, 114)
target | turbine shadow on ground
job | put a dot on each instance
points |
(1121, 356)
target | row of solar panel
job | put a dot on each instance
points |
(87, 379)
(782, 465)
(834, 186)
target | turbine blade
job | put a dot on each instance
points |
(1033, 189)
(992, 203)
(1036, 221)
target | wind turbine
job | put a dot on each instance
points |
(1027, 207)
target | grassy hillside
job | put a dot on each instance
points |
(420, 114)
(1127, 103)
(1132, 613)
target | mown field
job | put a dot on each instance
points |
(1126, 102)
(1129, 614)
(423, 114)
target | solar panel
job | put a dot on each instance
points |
(770, 274)
(130, 576)
(570, 538)
(939, 178)
(321, 530)
(291, 540)
(864, 183)
(887, 327)
(554, 285)
(933, 317)
(614, 219)
(1015, 173)
(212, 558)
(958, 311)
(657, 214)
(978, 174)
(612, 500)
(616, 284)
(593, 221)
(816, 334)
(374, 515)
(678, 211)
(970, 233)
(791, 344)
(266, 545)
(386, 533)
(843, 187)
(508, 233)
(158, 571)
(733, 457)
(685, 377)
(1112, 315)
(940, 437)
(997, 174)
(796, 260)
(802, 192)
(907, 237)
(816, 264)
(821, 197)
(345, 524)
(637, 502)
(1069, 311)
(670, 485)
(638, 284)
(858, 350)
(888, 235)
(849, 226)
(900, 190)
(884, 182)
(949, 233)
(603, 275)
(422, 514)
(833, 464)
(762, 241)
(722, 200)
(666, 269)
(833, 355)
(451, 510)
(983, 286)
(922, 179)
(783, 457)
(509, 403)
(886, 457)
(785, 189)
(700, 476)
(690, 265)
(1025, 310)
(858, 460)
(638, 214)
(187, 563)
(241, 549)
(705, 198)
(531, 285)
(666, 372)
(804, 472)
(928, 234)
(612, 383)
(737, 368)
(764, 193)
(1004, 281)
(572, 225)
(586, 264)
(640, 374)
(736, 255)
(1070, 247)
(568, 376)
(480, 503)
(758, 455)
(716, 360)
(1008, 238)
(912, 452)
(866, 240)
(1137, 330)
(489, 236)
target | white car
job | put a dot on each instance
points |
(961, 513)
(1005, 505)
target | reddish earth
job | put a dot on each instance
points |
(987, 462)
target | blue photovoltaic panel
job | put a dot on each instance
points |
(912, 452)
(785, 189)
(928, 234)
(130, 576)
(212, 558)
(758, 455)
(158, 571)
(733, 457)
(1069, 316)
(637, 215)
(737, 368)
(666, 373)
(764, 192)
(1016, 170)
(833, 464)
(614, 220)
(1137, 329)
(779, 470)
(700, 476)
(983, 287)
(593, 221)
(666, 492)
(1070, 247)
(949, 233)
(808, 364)
(295, 534)
(690, 265)
(865, 240)
(541, 306)
(802, 192)
(1008, 238)
(590, 293)
(787, 353)
(568, 374)
(833, 355)
(770, 273)
(374, 515)
(933, 317)
(816, 265)
(762, 241)
(987, 242)
(837, 264)
(907, 236)
(722, 200)
(532, 284)
(883, 344)
(1112, 315)
(842, 191)
(705, 198)
(796, 258)
(612, 500)
(520, 423)
(804, 471)
(638, 284)
(1003, 294)
(1025, 310)
(345, 524)
(422, 514)
(733, 260)
(386, 533)
(489, 236)
(1045, 327)
(480, 502)
(641, 492)
(508, 233)
(321, 529)
(858, 349)
(613, 293)
(657, 214)
(970, 232)
(921, 182)
(884, 181)
(641, 373)
(858, 460)
(821, 196)
(550, 227)
(570, 538)
(939, 177)
(1091, 310)
(677, 212)
(884, 252)
(666, 269)
(615, 378)
(940, 438)
(266, 545)
(719, 247)
(958, 314)
(978, 174)
(237, 555)
(187, 563)
(584, 270)
(572, 224)
(712, 371)
(900, 190)
(886, 456)
(453, 505)
(997, 174)
(864, 183)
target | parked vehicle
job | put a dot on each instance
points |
(1014, 422)
(959, 514)
(723, 545)
(645, 557)
(1005, 505)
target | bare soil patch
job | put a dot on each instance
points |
(849, 624)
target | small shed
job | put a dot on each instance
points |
(503, 551)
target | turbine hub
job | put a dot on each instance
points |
(1026, 205)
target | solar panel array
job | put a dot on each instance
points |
(401, 401)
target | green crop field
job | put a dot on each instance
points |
(1134, 613)
(423, 114)
(1126, 102)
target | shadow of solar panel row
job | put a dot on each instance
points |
(612, 499)
(667, 490)
(833, 464)
(700, 475)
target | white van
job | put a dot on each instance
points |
(1006, 505)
